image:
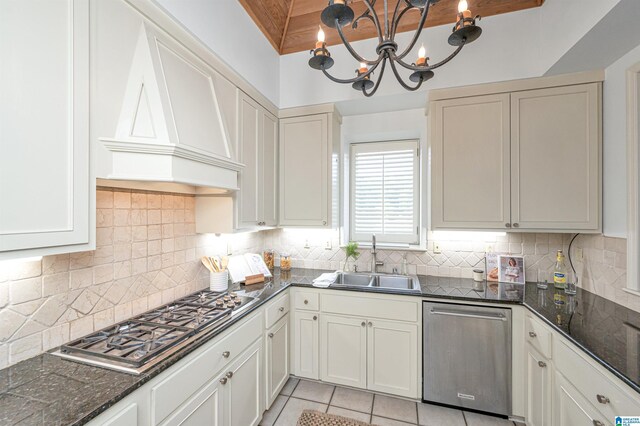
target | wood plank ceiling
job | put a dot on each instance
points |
(292, 25)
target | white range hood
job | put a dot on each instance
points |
(175, 121)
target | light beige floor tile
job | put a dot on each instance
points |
(363, 417)
(293, 409)
(434, 415)
(383, 421)
(475, 419)
(352, 399)
(395, 408)
(269, 417)
(288, 388)
(313, 391)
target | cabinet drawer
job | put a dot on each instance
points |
(276, 310)
(371, 307)
(538, 335)
(592, 383)
(307, 300)
(201, 367)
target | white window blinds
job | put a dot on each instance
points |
(385, 194)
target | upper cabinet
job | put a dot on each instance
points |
(524, 160)
(46, 191)
(309, 166)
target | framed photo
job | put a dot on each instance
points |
(491, 265)
(511, 269)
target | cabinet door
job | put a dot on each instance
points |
(204, 408)
(45, 190)
(243, 389)
(570, 408)
(305, 341)
(304, 171)
(343, 350)
(538, 389)
(470, 163)
(268, 199)
(555, 153)
(249, 146)
(277, 358)
(392, 357)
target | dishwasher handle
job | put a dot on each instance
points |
(498, 317)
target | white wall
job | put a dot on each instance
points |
(229, 31)
(614, 145)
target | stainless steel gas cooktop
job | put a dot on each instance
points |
(139, 343)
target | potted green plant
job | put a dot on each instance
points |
(351, 250)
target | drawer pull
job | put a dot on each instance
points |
(507, 225)
(542, 364)
(603, 399)
(281, 309)
(223, 380)
(271, 335)
(363, 323)
(370, 324)
(315, 317)
(597, 423)
(306, 302)
(532, 334)
(229, 374)
(226, 354)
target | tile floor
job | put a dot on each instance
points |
(381, 410)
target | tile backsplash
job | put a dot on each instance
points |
(148, 254)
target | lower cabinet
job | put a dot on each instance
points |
(241, 390)
(343, 350)
(205, 407)
(538, 388)
(305, 344)
(571, 408)
(277, 358)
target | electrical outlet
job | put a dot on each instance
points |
(579, 255)
(327, 245)
(436, 248)
(306, 244)
(229, 248)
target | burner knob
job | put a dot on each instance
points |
(233, 295)
(219, 302)
(238, 301)
(226, 298)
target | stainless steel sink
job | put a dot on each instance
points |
(381, 281)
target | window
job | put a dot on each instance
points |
(385, 192)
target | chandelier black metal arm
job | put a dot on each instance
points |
(338, 14)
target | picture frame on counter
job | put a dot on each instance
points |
(511, 269)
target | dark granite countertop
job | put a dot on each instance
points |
(48, 390)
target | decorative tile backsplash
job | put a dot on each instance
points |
(148, 254)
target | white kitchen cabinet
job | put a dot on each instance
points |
(518, 160)
(570, 408)
(539, 374)
(257, 144)
(305, 344)
(205, 407)
(309, 146)
(343, 350)
(470, 162)
(276, 359)
(44, 129)
(392, 357)
(242, 390)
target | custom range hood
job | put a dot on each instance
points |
(176, 123)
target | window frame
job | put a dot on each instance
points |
(388, 145)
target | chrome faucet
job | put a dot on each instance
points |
(374, 261)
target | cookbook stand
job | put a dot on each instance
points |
(254, 279)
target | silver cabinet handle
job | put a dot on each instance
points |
(516, 225)
(271, 335)
(452, 313)
(603, 399)
(507, 225)
(281, 309)
(532, 334)
(542, 364)
(363, 323)
(229, 374)
(370, 324)
(324, 222)
(223, 380)
(597, 423)
(226, 354)
(306, 302)
(315, 317)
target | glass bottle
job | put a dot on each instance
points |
(560, 271)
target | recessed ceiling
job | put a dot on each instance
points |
(292, 25)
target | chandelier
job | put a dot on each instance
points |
(338, 14)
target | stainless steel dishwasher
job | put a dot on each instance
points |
(467, 356)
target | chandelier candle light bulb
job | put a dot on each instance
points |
(422, 56)
(463, 13)
(320, 42)
(363, 68)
